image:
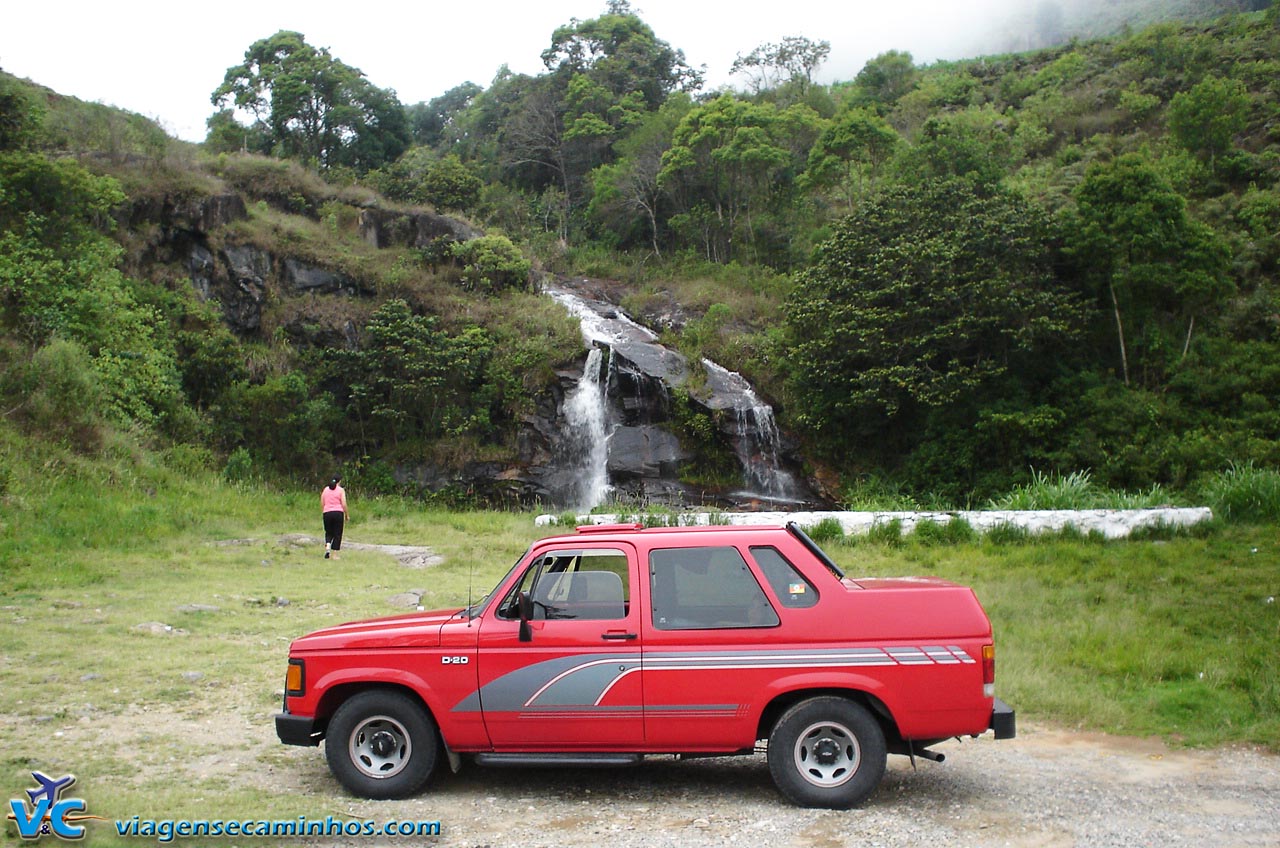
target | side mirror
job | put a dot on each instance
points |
(524, 605)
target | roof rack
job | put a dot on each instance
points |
(609, 528)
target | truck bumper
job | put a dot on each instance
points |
(1003, 720)
(297, 730)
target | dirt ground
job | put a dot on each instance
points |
(1047, 788)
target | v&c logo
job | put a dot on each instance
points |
(48, 812)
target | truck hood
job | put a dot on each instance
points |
(414, 630)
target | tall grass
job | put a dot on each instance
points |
(1076, 490)
(1244, 494)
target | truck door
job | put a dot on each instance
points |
(571, 680)
(710, 651)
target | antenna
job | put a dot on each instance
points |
(471, 568)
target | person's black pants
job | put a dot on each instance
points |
(333, 529)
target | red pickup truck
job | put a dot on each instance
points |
(614, 642)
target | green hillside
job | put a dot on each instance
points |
(948, 278)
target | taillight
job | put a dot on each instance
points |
(989, 671)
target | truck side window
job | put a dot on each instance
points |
(585, 585)
(706, 588)
(791, 587)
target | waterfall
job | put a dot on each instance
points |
(586, 439)
(637, 427)
(758, 443)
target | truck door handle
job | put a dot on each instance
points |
(617, 634)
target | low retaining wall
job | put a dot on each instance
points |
(1111, 523)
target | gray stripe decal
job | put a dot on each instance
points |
(578, 681)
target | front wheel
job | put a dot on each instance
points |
(826, 752)
(381, 745)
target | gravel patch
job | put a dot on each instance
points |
(1048, 788)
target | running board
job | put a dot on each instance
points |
(585, 760)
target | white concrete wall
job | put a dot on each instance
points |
(1111, 523)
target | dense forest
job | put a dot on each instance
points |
(947, 277)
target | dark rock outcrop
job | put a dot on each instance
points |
(198, 215)
(242, 286)
(302, 277)
(384, 228)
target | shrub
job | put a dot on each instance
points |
(64, 397)
(957, 531)
(374, 478)
(888, 533)
(491, 263)
(239, 467)
(1007, 534)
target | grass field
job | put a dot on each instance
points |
(145, 619)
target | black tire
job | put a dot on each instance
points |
(381, 744)
(826, 752)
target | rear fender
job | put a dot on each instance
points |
(784, 692)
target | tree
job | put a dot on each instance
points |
(423, 176)
(631, 184)
(224, 134)
(59, 279)
(413, 379)
(722, 167)
(927, 297)
(851, 153)
(315, 107)
(20, 115)
(1154, 267)
(884, 79)
(432, 121)
(1206, 119)
(972, 144)
(535, 150)
(621, 53)
(791, 61)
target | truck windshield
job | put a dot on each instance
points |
(479, 606)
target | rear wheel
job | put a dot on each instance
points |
(381, 744)
(826, 752)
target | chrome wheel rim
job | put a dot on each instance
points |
(827, 754)
(380, 747)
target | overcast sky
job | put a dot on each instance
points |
(164, 59)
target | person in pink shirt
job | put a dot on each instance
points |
(333, 506)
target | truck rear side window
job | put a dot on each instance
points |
(704, 589)
(791, 587)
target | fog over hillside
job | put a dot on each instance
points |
(988, 27)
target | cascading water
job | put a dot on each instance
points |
(748, 422)
(758, 443)
(585, 444)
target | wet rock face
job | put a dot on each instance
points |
(644, 453)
